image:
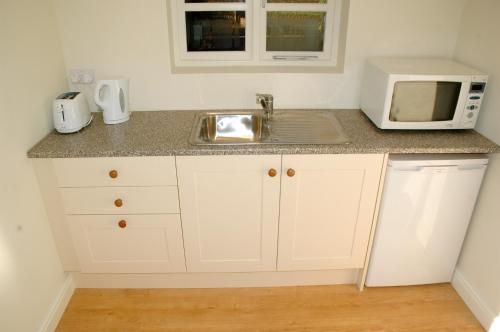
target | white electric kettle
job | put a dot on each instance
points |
(112, 97)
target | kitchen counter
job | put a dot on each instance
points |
(165, 133)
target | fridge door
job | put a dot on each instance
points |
(423, 219)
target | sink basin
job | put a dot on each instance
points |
(250, 127)
(228, 128)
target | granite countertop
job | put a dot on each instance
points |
(165, 133)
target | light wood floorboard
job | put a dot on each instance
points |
(316, 308)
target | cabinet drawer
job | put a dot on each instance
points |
(143, 243)
(135, 200)
(132, 171)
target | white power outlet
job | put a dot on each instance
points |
(81, 76)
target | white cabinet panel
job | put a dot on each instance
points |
(144, 243)
(135, 200)
(128, 171)
(326, 210)
(230, 208)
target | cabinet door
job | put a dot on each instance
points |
(128, 243)
(327, 210)
(230, 208)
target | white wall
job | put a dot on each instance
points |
(31, 73)
(479, 45)
(127, 38)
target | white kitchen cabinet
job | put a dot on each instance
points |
(128, 243)
(230, 210)
(238, 213)
(326, 210)
(114, 215)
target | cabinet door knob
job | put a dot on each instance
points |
(122, 223)
(272, 172)
(118, 202)
(290, 172)
(113, 174)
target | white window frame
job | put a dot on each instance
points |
(255, 58)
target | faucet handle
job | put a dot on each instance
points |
(266, 97)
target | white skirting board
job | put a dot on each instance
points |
(60, 303)
(216, 280)
(484, 314)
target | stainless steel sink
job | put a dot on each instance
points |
(251, 127)
(229, 128)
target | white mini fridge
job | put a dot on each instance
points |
(426, 207)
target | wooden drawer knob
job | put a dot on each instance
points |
(290, 172)
(118, 202)
(272, 172)
(113, 174)
(122, 223)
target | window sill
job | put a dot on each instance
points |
(319, 69)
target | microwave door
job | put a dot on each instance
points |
(424, 101)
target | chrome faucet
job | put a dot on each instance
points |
(266, 100)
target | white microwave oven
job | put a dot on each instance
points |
(421, 93)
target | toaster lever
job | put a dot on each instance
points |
(62, 112)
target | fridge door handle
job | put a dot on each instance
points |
(408, 169)
(470, 167)
(456, 168)
(440, 168)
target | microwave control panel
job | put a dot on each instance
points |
(473, 104)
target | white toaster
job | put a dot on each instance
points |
(71, 112)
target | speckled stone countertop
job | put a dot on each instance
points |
(166, 133)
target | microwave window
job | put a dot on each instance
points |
(422, 101)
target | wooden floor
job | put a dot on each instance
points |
(319, 308)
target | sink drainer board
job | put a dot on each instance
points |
(250, 127)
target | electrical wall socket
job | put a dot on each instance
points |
(81, 76)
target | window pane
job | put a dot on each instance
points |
(295, 31)
(424, 101)
(215, 31)
(297, 1)
(205, 1)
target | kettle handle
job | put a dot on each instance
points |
(97, 94)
